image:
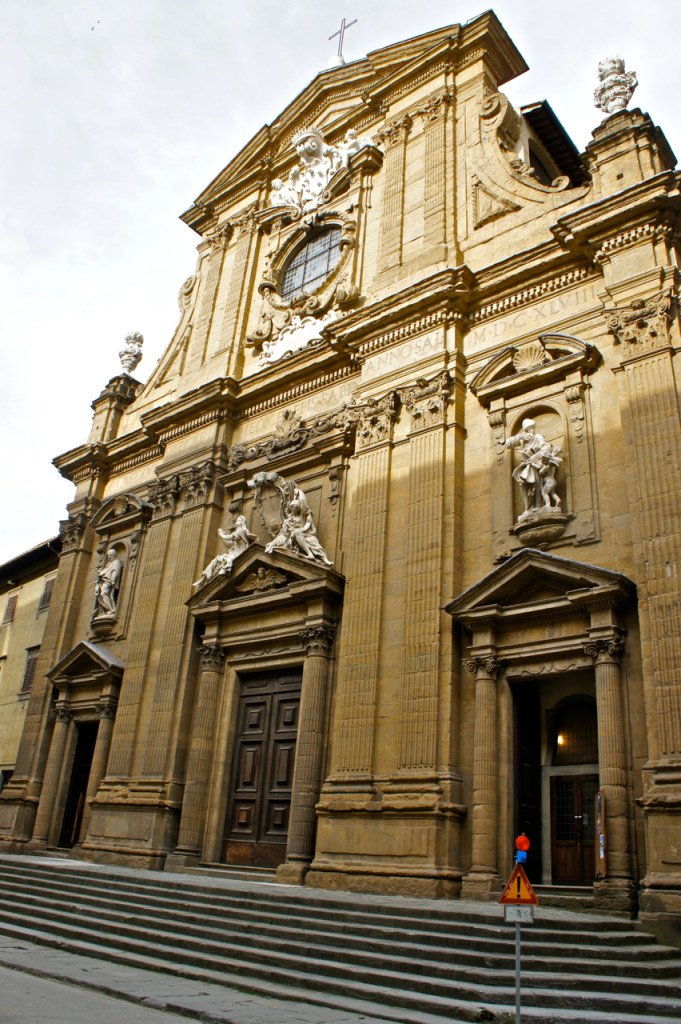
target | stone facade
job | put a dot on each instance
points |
(445, 468)
(26, 585)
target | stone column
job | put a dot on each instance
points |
(483, 878)
(616, 891)
(53, 769)
(107, 713)
(307, 772)
(200, 759)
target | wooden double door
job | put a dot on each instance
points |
(262, 769)
(573, 833)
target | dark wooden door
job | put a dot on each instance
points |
(528, 773)
(80, 774)
(262, 769)
(572, 828)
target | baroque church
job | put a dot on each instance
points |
(381, 566)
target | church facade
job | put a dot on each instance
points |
(381, 565)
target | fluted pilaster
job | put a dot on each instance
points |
(483, 871)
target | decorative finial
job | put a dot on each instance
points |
(616, 86)
(131, 353)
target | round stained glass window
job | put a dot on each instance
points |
(310, 266)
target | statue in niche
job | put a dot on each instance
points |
(536, 474)
(292, 526)
(108, 585)
(236, 540)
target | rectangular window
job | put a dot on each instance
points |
(10, 609)
(46, 595)
(29, 671)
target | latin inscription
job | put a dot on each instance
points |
(536, 317)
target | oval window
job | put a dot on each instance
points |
(309, 267)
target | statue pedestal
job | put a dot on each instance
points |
(540, 527)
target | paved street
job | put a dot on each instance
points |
(146, 997)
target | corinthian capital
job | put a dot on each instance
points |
(212, 658)
(318, 641)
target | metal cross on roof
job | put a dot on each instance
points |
(341, 33)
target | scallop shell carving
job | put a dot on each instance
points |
(529, 357)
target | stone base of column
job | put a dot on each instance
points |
(180, 859)
(443, 888)
(616, 895)
(480, 885)
(293, 872)
(35, 846)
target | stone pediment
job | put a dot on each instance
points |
(84, 661)
(259, 576)
(531, 581)
(518, 369)
(120, 512)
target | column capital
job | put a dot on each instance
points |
(605, 649)
(106, 707)
(488, 666)
(212, 657)
(318, 640)
(63, 714)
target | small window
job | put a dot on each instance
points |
(576, 737)
(46, 595)
(29, 671)
(10, 609)
(309, 267)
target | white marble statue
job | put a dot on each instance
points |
(615, 87)
(298, 533)
(536, 474)
(317, 163)
(131, 353)
(236, 540)
(108, 584)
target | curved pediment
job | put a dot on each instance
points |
(119, 512)
(527, 366)
(531, 581)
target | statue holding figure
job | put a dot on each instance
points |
(108, 584)
(536, 474)
(236, 540)
(298, 532)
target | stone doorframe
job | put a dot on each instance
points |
(534, 616)
(273, 611)
(87, 683)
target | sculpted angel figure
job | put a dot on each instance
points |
(236, 540)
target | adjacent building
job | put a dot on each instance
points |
(381, 565)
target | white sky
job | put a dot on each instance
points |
(117, 114)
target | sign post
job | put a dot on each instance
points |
(519, 900)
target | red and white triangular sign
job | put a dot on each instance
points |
(518, 889)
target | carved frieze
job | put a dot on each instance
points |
(262, 579)
(291, 434)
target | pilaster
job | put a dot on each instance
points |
(394, 137)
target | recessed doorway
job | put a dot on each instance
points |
(262, 769)
(80, 775)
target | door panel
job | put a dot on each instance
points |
(572, 828)
(262, 769)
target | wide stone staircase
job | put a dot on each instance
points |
(400, 959)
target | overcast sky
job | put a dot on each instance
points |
(117, 114)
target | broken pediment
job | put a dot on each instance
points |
(260, 576)
(120, 513)
(521, 368)
(531, 581)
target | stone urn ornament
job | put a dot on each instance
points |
(615, 87)
(131, 353)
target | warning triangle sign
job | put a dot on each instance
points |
(518, 889)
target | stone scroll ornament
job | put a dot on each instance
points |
(615, 87)
(284, 510)
(317, 163)
(235, 540)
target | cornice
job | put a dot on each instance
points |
(85, 461)
(213, 401)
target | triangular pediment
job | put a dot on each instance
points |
(87, 659)
(257, 573)
(531, 577)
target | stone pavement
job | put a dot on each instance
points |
(37, 987)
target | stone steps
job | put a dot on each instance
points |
(424, 957)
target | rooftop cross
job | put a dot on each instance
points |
(341, 34)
